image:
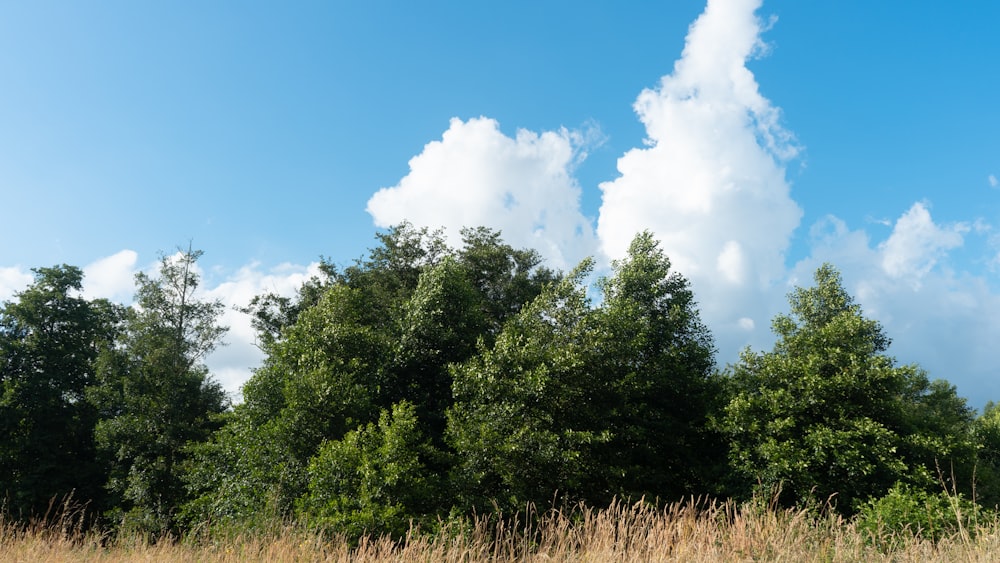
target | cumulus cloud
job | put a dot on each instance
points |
(477, 175)
(12, 280)
(936, 317)
(917, 243)
(112, 277)
(231, 364)
(710, 182)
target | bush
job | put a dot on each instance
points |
(905, 513)
(374, 481)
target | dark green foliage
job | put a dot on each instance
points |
(154, 395)
(356, 344)
(657, 357)
(441, 323)
(938, 439)
(271, 313)
(322, 377)
(244, 474)
(50, 338)
(827, 415)
(390, 274)
(585, 404)
(505, 279)
(424, 381)
(986, 436)
(527, 421)
(337, 357)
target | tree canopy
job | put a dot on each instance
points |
(50, 338)
(828, 415)
(511, 384)
(424, 381)
(155, 396)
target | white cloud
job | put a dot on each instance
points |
(475, 175)
(935, 317)
(916, 244)
(12, 280)
(231, 364)
(112, 277)
(710, 183)
(732, 263)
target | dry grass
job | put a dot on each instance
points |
(692, 531)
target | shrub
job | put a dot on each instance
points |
(905, 513)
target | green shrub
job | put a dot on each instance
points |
(905, 513)
(373, 481)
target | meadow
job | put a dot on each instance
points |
(691, 531)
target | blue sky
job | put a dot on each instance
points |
(756, 143)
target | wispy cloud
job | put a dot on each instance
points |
(937, 317)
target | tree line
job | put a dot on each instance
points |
(425, 382)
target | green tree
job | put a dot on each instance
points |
(986, 432)
(827, 414)
(524, 423)
(658, 358)
(50, 338)
(243, 474)
(318, 382)
(905, 513)
(389, 275)
(381, 332)
(441, 323)
(592, 403)
(155, 395)
(505, 278)
(327, 371)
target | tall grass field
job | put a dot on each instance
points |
(691, 531)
